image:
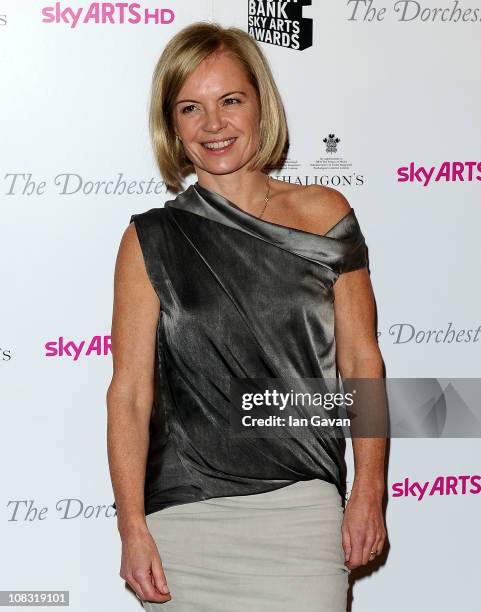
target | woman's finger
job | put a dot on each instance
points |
(135, 586)
(346, 543)
(369, 546)
(142, 580)
(158, 576)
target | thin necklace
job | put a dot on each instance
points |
(266, 199)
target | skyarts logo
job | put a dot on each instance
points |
(446, 172)
(101, 13)
(280, 22)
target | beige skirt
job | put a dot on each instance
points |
(271, 552)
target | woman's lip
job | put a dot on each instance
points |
(219, 151)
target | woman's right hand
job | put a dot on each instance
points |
(141, 567)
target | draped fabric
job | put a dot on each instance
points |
(240, 297)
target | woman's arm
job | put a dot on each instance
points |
(129, 403)
(358, 356)
(130, 394)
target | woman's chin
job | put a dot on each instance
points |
(221, 167)
(225, 165)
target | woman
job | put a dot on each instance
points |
(241, 276)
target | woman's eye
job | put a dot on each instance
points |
(186, 108)
(233, 99)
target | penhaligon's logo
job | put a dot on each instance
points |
(334, 164)
(280, 22)
(331, 143)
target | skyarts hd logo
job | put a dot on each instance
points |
(280, 22)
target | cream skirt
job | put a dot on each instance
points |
(271, 552)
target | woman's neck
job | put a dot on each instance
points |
(247, 191)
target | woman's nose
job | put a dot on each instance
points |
(213, 120)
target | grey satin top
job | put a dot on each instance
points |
(245, 298)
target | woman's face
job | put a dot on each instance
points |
(218, 103)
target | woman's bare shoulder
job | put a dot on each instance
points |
(314, 208)
(129, 249)
(130, 270)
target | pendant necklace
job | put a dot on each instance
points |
(266, 199)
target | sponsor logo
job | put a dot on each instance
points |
(71, 183)
(348, 179)
(106, 13)
(280, 22)
(28, 511)
(69, 349)
(412, 11)
(441, 485)
(332, 161)
(405, 333)
(447, 172)
(331, 143)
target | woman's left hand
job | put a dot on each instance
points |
(363, 529)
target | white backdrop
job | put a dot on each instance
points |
(396, 89)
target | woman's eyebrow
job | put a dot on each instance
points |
(220, 97)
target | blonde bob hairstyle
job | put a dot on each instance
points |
(180, 57)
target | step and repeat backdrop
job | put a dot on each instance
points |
(382, 100)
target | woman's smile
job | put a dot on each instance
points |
(219, 147)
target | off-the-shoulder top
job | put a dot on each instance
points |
(240, 298)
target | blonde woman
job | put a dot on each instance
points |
(240, 276)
